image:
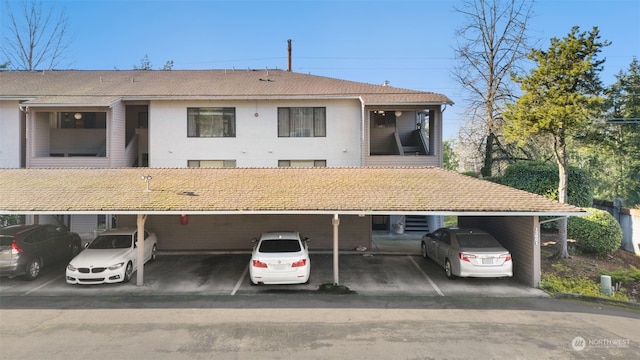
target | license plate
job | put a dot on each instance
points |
(487, 261)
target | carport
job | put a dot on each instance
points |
(335, 193)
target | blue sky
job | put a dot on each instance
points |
(408, 43)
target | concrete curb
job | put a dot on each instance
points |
(595, 299)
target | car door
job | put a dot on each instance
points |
(444, 243)
(57, 243)
(39, 245)
(147, 246)
(432, 244)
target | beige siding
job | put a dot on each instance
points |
(519, 235)
(77, 141)
(383, 141)
(116, 136)
(12, 131)
(399, 160)
(40, 134)
(234, 232)
(436, 132)
(69, 162)
(405, 125)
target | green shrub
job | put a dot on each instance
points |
(542, 178)
(597, 233)
(623, 275)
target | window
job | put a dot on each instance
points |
(302, 163)
(211, 122)
(302, 122)
(280, 246)
(211, 163)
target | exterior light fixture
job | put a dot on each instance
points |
(77, 116)
(147, 179)
(398, 113)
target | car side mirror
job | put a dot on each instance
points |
(254, 240)
(307, 239)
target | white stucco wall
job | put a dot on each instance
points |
(256, 143)
(10, 131)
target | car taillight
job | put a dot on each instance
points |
(258, 264)
(466, 256)
(506, 257)
(299, 263)
(15, 249)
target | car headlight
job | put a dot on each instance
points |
(71, 267)
(115, 266)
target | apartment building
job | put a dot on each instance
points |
(217, 119)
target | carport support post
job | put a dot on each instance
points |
(140, 250)
(336, 222)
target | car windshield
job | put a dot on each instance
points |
(279, 246)
(477, 241)
(111, 242)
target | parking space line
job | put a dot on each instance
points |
(43, 285)
(240, 281)
(433, 284)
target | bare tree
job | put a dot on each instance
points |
(36, 38)
(491, 44)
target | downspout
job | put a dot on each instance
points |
(335, 222)
(441, 140)
(363, 150)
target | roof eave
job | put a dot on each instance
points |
(297, 212)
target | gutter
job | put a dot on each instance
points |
(285, 212)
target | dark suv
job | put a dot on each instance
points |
(25, 249)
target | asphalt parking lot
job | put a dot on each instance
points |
(227, 274)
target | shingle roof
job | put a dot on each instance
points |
(72, 86)
(275, 190)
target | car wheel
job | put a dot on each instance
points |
(424, 251)
(33, 269)
(75, 249)
(448, 270)
(154, 252)
(128, 272)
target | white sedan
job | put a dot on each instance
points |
(280, 258)
(467, 253)
(110, 258)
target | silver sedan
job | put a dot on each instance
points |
(467, 253)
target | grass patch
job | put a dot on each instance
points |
(450, 221)
(576, 285)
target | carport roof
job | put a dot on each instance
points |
(361, 190)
